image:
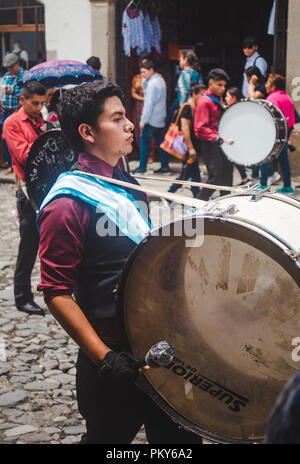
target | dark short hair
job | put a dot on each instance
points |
(94, 62)
(84, 104)
(254, 70)
(218, 74)
(33, 88)
(196, 87)
(278, 80)
(249, 41)
(55, 99)
(236, 92)
(147, 64)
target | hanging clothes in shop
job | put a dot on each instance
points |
(140, 32)
(133, 30)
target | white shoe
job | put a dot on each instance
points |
(274, 178)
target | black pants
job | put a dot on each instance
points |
(115, 413)
(28, 248)
(220, 169)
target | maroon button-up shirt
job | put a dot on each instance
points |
(206, 118)
(63, 222)
(63, 225)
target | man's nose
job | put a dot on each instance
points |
(129, 126)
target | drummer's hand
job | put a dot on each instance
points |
(254, 79)
(120, 367)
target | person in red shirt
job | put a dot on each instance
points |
(207, 115)
(20, 130)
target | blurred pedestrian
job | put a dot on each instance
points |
(207, 115)
(250, 49)
(10, 84)
(20, 130)
(276, 94)
(152, 122)
(190, 167)
(234, 95)
(257, 88)
(284, 422)
(94, 62)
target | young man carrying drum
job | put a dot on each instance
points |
(207, 115)
(78, 257)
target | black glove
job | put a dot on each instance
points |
(119, 367)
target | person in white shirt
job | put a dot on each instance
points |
(152, 122)
(250, 49)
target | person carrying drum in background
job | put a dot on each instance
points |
(233, 95)
(190, 167)
(275, 87)
(20, 130)
(83, 248)
(207, 115)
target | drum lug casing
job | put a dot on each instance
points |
(294, 255)
(223, 212)
(257, 195)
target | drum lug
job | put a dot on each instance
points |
(294, 255)
(216, 211)
(257, 195)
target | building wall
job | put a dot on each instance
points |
(293, 62)
(78, 29)
(103, 35)
(68, 29)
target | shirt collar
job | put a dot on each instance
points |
(24, 117)
(94, 165)
(253, 57)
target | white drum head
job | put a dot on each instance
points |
(252, 128)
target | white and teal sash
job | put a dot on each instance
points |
(117, 204)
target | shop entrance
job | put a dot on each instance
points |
(22, 30)
(214, 30)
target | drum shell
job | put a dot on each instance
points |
(163, 274)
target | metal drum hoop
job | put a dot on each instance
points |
(280, 128)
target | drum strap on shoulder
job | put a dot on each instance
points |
(216, 100)
(118, 205)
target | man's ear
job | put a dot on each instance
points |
(22, 99)
(86, 133)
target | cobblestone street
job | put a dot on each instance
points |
(37, 358)
(37, 373)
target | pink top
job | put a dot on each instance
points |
(281, 99)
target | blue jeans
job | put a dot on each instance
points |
(267, 169)
(4, 116)
(146, 135)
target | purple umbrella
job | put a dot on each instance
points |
(60, 73)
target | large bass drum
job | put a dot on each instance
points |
(229, 303)
(258, 130)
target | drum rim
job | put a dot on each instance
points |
(231, 223)
(277, 144)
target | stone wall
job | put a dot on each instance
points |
(294, 156)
